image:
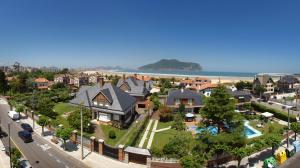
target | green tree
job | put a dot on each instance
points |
(259, 90)
(219, 108)
(45, 107)
(64, 134)
(43, 121)
(179, 146)
(273, 140)
(74, 119)
(178, 124)
(19, 109)
(295, 126)
(181, 110)
(240, 153)
(15, 157)
(3, 83)
(241, 85)
(192, 161)
(155, 99)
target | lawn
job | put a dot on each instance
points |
(268, 127)
(61, 108)
(119, 134)
(162, 138)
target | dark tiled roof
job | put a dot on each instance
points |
(121, 101)
(239, 93)
(288, 79)
(184, 94)
(137, 87)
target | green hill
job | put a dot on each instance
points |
(172, 64)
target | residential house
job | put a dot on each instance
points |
(80, 79)
(191, 99)
(207, 89)
(142, 77)
(108, 103)
(196, 83)
(62, 78)
(288, 84)
(242, 96)
(136, 88)
(95, 78)
(265, 81)
(41, 83)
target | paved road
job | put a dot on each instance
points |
(292, 162)
(39, 150)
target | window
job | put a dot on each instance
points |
(116, 117)
(95, 103)
(100, 104)
(177, 101)
(190, 101)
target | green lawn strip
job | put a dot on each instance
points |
(61, 108)
(119, 134)
(162, 138)
(266, 128)
(162, 125)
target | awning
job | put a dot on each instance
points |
(189, 115)
(267, 114)
(139, 151)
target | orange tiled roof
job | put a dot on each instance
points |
(40, 80)
(140, 77)
(187, 81)
(207, 86)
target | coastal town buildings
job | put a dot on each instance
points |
(195, 84)
(62, 78)
(265, 81)
(108, 103)
(288, 84)
(94, 78)
(80, 79)
(41, 83)
(191, 99)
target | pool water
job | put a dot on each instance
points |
(250, 132)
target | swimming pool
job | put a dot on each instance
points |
(250, 132)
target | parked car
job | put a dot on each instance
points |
(25, 136)
(26, 127)
(25, 164)
(13, 115)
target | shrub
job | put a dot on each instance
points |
(112, 134)
(277, 113)
(165, 114)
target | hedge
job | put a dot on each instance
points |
(277, 113)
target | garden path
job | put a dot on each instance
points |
(145, 134)
(152, 135)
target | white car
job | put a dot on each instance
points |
(14, 115)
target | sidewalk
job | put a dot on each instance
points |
(91, 159)
(4, 159)
(258, 158)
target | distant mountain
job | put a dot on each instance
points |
(171, 64)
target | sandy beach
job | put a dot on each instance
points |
(214, 79)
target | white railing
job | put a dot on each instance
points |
(165, 160)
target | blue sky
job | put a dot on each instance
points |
(224, 35)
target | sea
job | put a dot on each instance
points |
(189, 73)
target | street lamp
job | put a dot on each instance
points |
(32, 113)
(287, 135)
(9, 146)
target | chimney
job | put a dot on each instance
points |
(124, 77)
(101, 81)
(135, 75)
(143, 77)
